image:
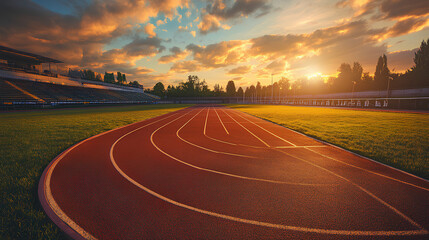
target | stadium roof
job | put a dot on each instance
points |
(13, 54)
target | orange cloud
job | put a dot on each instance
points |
(150, 30)
(185, 67)
(241, 70)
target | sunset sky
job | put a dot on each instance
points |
(219, 40)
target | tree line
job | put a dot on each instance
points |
(351, 78)
(120, 79)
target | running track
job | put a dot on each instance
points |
(209, 172)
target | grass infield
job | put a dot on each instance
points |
(400, 140)
(30, 140)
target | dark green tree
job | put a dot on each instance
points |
(159, 89)
(240, 92)
(109, 77)
(230, 88)
(382, 73)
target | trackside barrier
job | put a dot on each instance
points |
(421, 103)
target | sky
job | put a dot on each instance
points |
(218, 40)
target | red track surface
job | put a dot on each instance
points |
(217, 173)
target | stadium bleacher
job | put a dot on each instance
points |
(29, 91)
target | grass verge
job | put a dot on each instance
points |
(400, 140)
(30, 140)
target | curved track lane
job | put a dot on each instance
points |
(212, 172)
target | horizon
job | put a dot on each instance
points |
(244, 40)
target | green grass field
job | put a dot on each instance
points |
(400, 140)
(30, 140)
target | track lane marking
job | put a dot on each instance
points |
(362, 189)
(379, 174)
(50, 200)
(254, 222)
(266, 144)
(224, 173)
(226, 130)
(204, 148)
(275, 135)
(245, 145)
(351, 165)
(412, 222)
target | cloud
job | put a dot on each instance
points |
(240, 8)
(388, 9)
(149, 29)
(221, 10)
(177, 54)
(193, 33)
(209, 23)
(186, 66)
(220, 54)
(403, 27)
(160, 22)
(78, 39)
(401, 61)
(241, 70)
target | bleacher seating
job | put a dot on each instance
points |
(55, 93)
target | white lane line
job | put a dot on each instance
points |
(266, 144)
(204, 148)
(245, 145)
(362, 189)
(47, 185)
(226, 130)
(375, 173)
(224, 173)
(54, 205)
(351, 165)
(266, 130)
(259, 223)
(205, 123)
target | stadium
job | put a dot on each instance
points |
(241, 119)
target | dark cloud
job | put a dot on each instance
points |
(219, 11)
(407, 26)
(401, 8)
(176, 54)
(239, 8)
(143, 47)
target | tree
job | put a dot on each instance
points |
(284, 86)
(240, 92)
(357, 72)
(230, 88)
(382, 72)
(98, 77)
(109, 77)
(343, 83)
(217, 90)
(88, 74)
(159, 89)
(121, 78)
(418, 76)
(135, 84)
(258, 89)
